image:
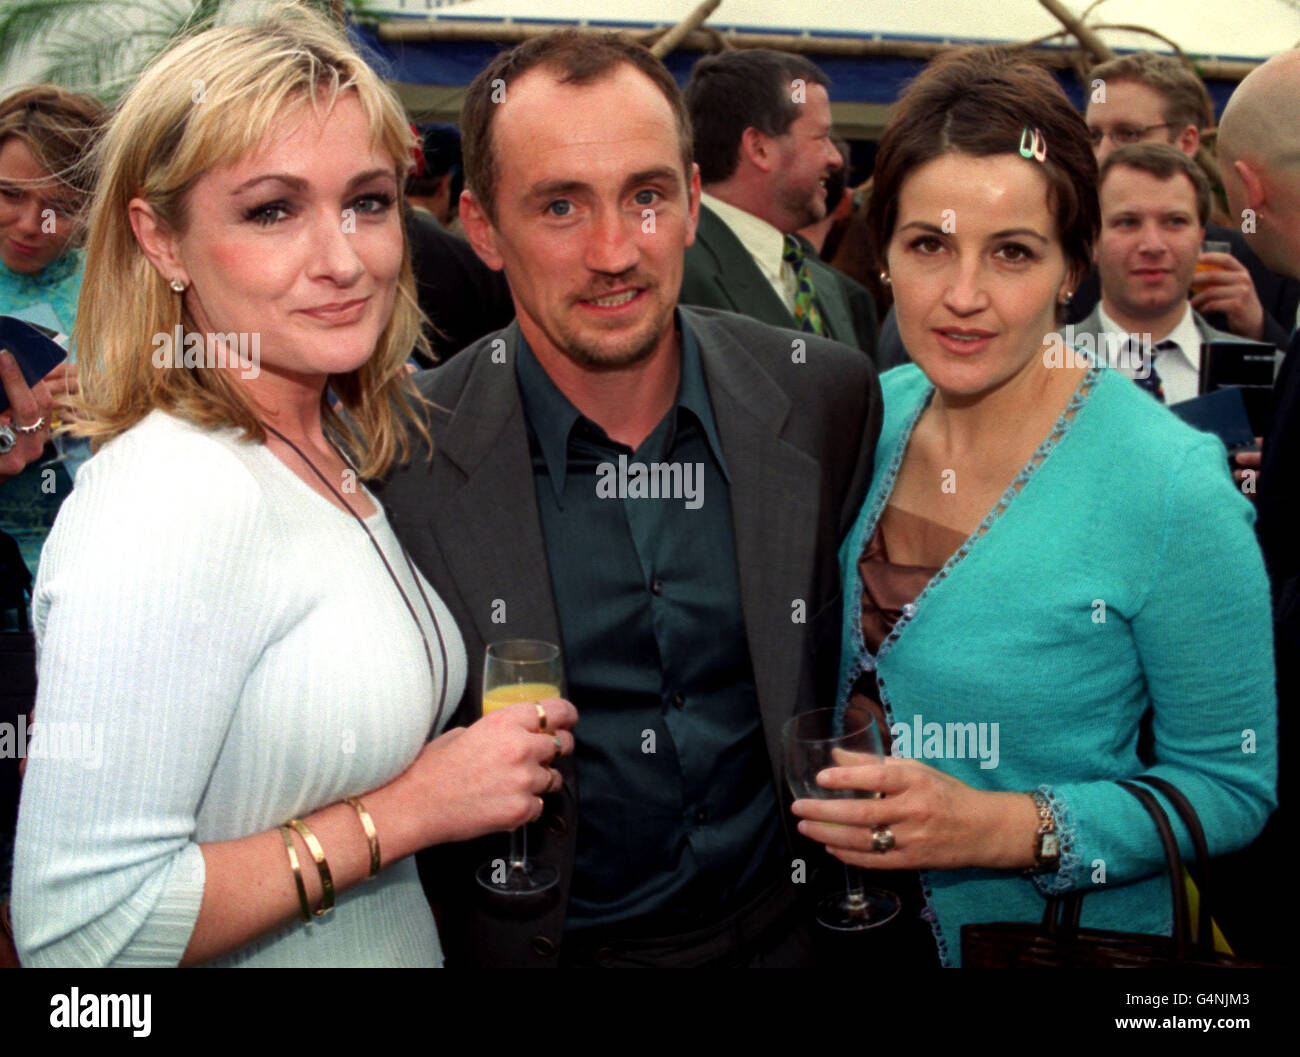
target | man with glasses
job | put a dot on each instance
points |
(1146, 97)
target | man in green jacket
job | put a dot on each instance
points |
(762, 123)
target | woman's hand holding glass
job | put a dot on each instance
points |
(488, 777)
(937, 821)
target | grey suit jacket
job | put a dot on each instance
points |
(798, 438)
(720, 273)
(1091, 324)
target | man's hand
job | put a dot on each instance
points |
(26, 407)
(1228, 288)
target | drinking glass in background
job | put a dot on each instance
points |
(515, 671)
(829, 737)
(1210, 246)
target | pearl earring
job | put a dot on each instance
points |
(178, 285)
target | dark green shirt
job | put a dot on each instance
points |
(678, 814)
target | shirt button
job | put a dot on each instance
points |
(679, 699)
(701, 815)
(657, 587)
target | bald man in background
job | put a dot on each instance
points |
(1259, 160)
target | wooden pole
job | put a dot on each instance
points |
(1087, 37)
(670, 40)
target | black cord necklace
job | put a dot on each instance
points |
(433, 619)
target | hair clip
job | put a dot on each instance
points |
(1033, 144)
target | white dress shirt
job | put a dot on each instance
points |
(1179, 369)
(763, 242)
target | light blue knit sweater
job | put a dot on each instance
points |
(1131, 516)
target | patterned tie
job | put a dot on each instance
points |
(805, 300)
(1152, 383)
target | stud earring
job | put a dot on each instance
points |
(884, 278)
(178, 285)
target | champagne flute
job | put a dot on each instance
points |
(514, 671)
(829, 737)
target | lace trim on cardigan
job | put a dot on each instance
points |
(1069, 874)
(864, 661)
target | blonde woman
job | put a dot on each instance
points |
(249, 662)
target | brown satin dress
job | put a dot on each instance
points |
(888, 586)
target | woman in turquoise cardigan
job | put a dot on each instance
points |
(1046, 553)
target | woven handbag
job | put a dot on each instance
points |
(1059, 942)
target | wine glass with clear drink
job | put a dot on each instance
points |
(829, 737)
(514, 671)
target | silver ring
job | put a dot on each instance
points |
(7, 439)
(35, 427)
(882, 838)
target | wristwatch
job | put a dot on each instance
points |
(1047, 844)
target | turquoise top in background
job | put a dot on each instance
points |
(57, 285)
(30, 501)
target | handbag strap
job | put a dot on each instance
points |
(1201, 870)
(1177, 891)
(1061, 915)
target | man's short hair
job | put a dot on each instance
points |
(577, 58)
(736, 90)
(1163, 162)
(1186, 102)
(440, 145)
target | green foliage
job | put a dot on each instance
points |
(100, 46)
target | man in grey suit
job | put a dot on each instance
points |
(661, 491)
(1154, 204)
(762, 127)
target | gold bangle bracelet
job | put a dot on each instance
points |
(322, 867)
(368, 824)
(287, 834)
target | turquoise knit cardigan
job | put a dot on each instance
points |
(1123, 574)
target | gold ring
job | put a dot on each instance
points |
(541, 718)
(550, 781)
(559, 748)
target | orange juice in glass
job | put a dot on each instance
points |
(1209, 246)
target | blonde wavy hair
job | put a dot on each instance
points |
(208, 101)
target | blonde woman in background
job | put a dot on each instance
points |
(224, 616)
